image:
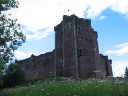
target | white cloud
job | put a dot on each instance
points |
(120, 50)
(125, 44)
(40, 14)
(119, 68)
(120, 6)
(35, 34)
(96, 7)
(20, 55)
(102, 17)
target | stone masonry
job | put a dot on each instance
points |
(76, 53)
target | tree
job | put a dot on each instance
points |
(126, 74)
(7, 4)
(10, 34)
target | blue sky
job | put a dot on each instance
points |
(109, 19)
(113, 41)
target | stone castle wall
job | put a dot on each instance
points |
(38, 67)
(76, 53)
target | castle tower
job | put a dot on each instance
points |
(76, 54)
(76, 48)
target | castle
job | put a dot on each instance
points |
(76, 54)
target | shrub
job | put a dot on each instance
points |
(14, 76)
(1, 82)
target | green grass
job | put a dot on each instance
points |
(70, 88)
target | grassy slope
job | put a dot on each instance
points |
(70, 88)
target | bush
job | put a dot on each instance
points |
(1, 83)
(14, 76)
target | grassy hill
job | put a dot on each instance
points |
(70, 88)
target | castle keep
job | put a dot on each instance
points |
(76, 53)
